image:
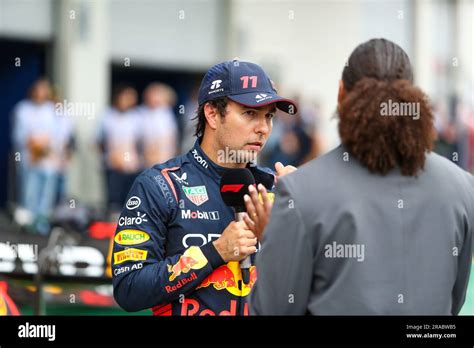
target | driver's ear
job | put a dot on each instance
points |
(211, 114)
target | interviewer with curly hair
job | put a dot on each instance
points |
(378, 226)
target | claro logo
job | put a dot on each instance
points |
(136, 220)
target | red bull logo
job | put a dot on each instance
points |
(193, 258)
(181, 283)
(184, 265)
(229, 277)
(192, 307)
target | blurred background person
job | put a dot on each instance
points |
(189, 120)
(34, 131)
(64, 145)
(160, 131)
(311, 119)
(449, 137)
(467, 123)
(295, 140)
(120, 141)
(454, 124)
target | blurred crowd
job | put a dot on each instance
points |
(131, 137)
(43, 142)
(454, 122)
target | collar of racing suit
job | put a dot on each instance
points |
(197, 156)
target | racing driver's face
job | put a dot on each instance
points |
(244, 130)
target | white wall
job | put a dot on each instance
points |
(171, 33)
(465, 50)
(29, 19)
(82, 71)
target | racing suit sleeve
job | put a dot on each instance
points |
(142, 276)
(285, 261)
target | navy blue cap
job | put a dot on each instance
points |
(243, 82)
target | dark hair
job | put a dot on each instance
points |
(41, 79)
(378, 74)
(219, 103)
(118, 89)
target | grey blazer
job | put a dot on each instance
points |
(343, 241)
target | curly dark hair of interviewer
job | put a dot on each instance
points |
(378, 76)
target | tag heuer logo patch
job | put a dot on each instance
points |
(196, 194)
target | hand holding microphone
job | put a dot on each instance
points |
(237, 242)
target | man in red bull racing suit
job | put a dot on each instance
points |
(177, 248)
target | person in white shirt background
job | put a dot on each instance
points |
(120, 140)
(35, 133)
(189, 120)
(64, 147)
(160, 131)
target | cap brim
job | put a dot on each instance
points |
(258, 99)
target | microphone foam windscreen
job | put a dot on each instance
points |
(264, 178)
(234, 185)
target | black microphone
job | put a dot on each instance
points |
(264, 178)
(234, 185)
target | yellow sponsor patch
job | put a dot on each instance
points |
(131, 237)
(270, 196)
(130, 254)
